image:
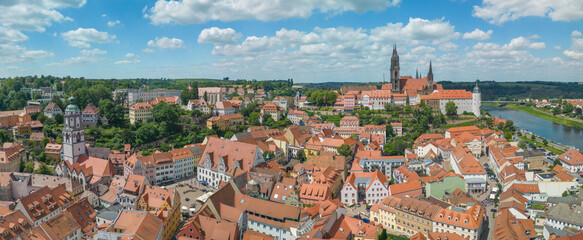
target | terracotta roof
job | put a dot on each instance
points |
(526, 188)
(448, 236)
(90, 109)
(134, 184)
(285, 214)
(405, 187)
(84, 215)
(45, 201)
(470, 219)
(14, 224)
(508, 227)
(60, 226)
(141, 106)
(420, 208)
(223, 105)
(572, 157)
(270, 107)
(232, 153)
(448, 94)
(51, 106)
(155, 197)
(281, 192)
(253, 235)
(315, 192)
(137, 224)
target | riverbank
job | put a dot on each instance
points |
(539, 114)
(540, 144)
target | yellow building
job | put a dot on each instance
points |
(141, 112)
(163, 203)
(413, 216)
(384, 213)
(225, 122)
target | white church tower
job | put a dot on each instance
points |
(476, 100)
(73, 133)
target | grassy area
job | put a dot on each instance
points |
(490, 104)
(546, 116)
(539, 144)
(395, 237)
(464, 124)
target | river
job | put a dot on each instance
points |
(556, 132)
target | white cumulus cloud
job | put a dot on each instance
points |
(415, 32)
(166, 43)
(200, 11)
(130, 55)
(501, 11)
(113, 23)
(218, 36)
(127, 62)
(82, 37)
(478, 34)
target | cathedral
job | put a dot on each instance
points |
(408, 84)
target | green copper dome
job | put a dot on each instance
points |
(72, 107)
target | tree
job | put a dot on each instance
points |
(522, 144)
(254, 119)
(565, 193)
(28, 167)
(114, 112)
(167, 113)
(545, 142)
(450, 109)
(557, 110)
(5, 137)
(44, 169)
(345, 150)
(59, 119)
(383, 235)
(408, 109)
(533, 137)
(301, 155)
(390, 132)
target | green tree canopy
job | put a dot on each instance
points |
(345, 150)
(450, 109)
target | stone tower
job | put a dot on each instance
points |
(73, 133)
(395, 75)
(476, 100)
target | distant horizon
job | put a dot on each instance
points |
(310, 41)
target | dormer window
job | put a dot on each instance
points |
(449, 218)
(466, 221)
(457, 219)
(440, 215)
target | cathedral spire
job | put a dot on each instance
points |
(417, 73)
(430, 71)
(395, 49)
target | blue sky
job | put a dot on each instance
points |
(307, 40)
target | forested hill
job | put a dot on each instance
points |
(492, 90)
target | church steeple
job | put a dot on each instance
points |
(395, 71)
(417, 73)
(430, 71)
(430, 77)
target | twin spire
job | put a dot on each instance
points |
(417, 70)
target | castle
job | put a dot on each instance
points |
(406, 90)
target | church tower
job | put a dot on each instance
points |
(476, 100)
(73, 133)
(430, 78)
(395, 77)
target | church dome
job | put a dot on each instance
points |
(72, 107)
